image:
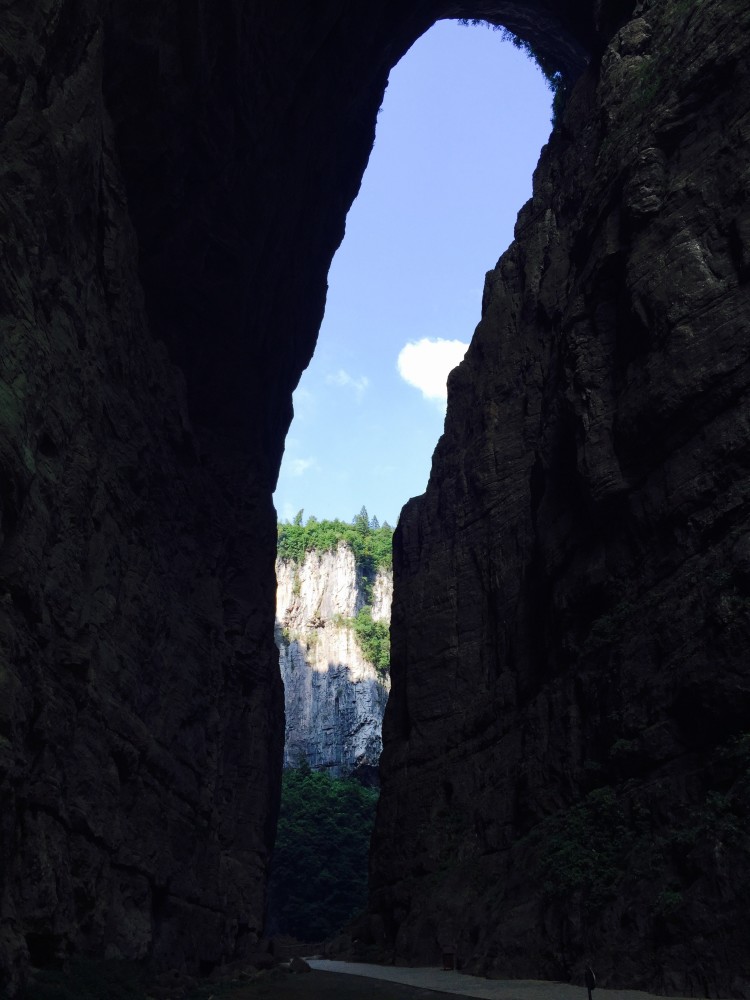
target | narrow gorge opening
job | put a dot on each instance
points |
(564, 688)
(459, 133)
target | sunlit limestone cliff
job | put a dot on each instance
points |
(334, 695)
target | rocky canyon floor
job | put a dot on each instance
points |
(330, 980)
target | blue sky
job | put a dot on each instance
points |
(459, 134)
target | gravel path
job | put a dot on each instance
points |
(472, 986)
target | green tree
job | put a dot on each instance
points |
(319, 870)
(361, 521)
(372, 547)
(374, 640)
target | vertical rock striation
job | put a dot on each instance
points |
(570, 623)
(333, 695)
(141, 712)
(565, 773)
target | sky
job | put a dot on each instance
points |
(458, 136)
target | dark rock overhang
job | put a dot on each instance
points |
(243, 148)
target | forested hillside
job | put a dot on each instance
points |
(319, 872)
(370, 541)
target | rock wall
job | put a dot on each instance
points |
(141, 712)
(571, 612)
(565, 773)
(334, 697)
(174, 182)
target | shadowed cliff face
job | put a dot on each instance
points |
(207, 157)
(141, 719)
(175, 179)
(565, 773)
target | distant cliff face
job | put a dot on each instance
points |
(334, 696)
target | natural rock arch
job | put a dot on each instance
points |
(209, 156)
(243, 134)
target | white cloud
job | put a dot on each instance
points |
(426, 364)
(299, 466)
(347, 381)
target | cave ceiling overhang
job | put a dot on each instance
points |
(243, 146)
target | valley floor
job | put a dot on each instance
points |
(328, 980)
(431, 981)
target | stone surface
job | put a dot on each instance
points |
(141, 712)
(565, 774)
(571, 593)
(333, 696)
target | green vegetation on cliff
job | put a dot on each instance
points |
(319, 871)
(607, 845)
(371, 542)
(374, 639)
(556, 80)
